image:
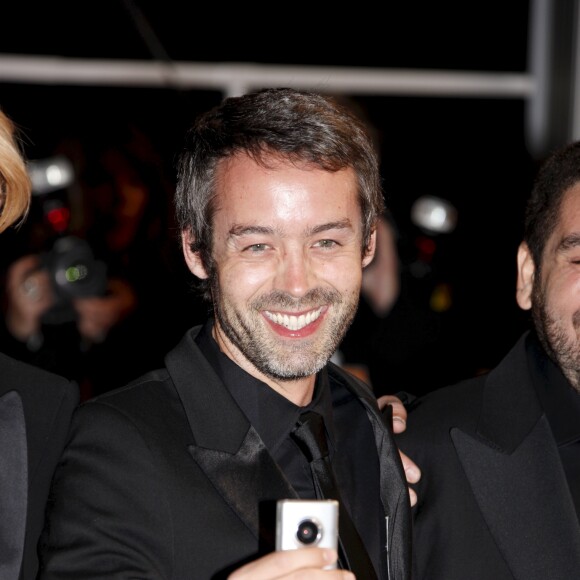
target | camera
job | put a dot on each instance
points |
(309, 531)
(71, 266)
(73, 269)
(74, 273)
(306, 523)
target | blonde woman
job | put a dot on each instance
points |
(35, 407)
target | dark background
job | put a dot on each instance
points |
(471, 151)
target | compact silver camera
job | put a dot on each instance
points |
(306, 524)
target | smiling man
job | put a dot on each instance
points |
(289, 272)
(176, 475)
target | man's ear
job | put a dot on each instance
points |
(369, 252)
(193, 259)
(526, 273)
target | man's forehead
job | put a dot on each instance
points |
(265, 159)
(569, 211)
(243, 177)
(566, 232)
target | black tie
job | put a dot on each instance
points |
(311, 438)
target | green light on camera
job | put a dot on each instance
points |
(75, 273)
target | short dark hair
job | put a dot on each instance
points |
(299, 126)
(559, 172)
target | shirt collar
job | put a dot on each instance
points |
(271, 414)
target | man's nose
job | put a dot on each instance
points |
(295, 273)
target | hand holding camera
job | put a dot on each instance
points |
(307, 524)
(306, 544)
(62, 286)
(29, 296)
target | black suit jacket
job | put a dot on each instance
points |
(35, 412)
(494, 503)
(165, 478)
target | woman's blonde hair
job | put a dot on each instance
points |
(15, 188)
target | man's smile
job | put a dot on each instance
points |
(292, 321)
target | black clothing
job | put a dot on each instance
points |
(35, 413)
(165, 479)
(561, 403)
(494, 500)
(350, 438)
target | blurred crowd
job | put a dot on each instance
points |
(92, 278)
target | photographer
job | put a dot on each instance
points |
(60, 347)
(106, 219)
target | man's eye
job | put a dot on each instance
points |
(326, 244)
(256, 248)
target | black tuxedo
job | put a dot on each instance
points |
(35, 411)
(165, 478)
(494, 503)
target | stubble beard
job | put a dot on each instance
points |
(290, 359)
(563, 351)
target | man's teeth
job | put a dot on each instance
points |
(293, 322)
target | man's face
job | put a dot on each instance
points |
(287, 249)
(553, 294)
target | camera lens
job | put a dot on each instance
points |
(308, 532)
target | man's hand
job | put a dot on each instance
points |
(29, 295)
(412, 471)
(303, 563)
(399, 411)
(98, 315)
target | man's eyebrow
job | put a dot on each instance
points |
(569, 242)
(338, 225)
(245, 230)
(238, 230)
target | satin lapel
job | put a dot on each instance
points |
(512, 463)
(205, 398)
(543, 542)
(13, 484)
(395, 498)
(247, 480)
(227, 448)
(509, 408)
(393, 484)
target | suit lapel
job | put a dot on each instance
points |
(505, 485)
(512, 462)
(236, 461)
(228, 450)
(393, 484)
(247, 480)
(13, 484)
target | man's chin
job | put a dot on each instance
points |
(298, 370)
